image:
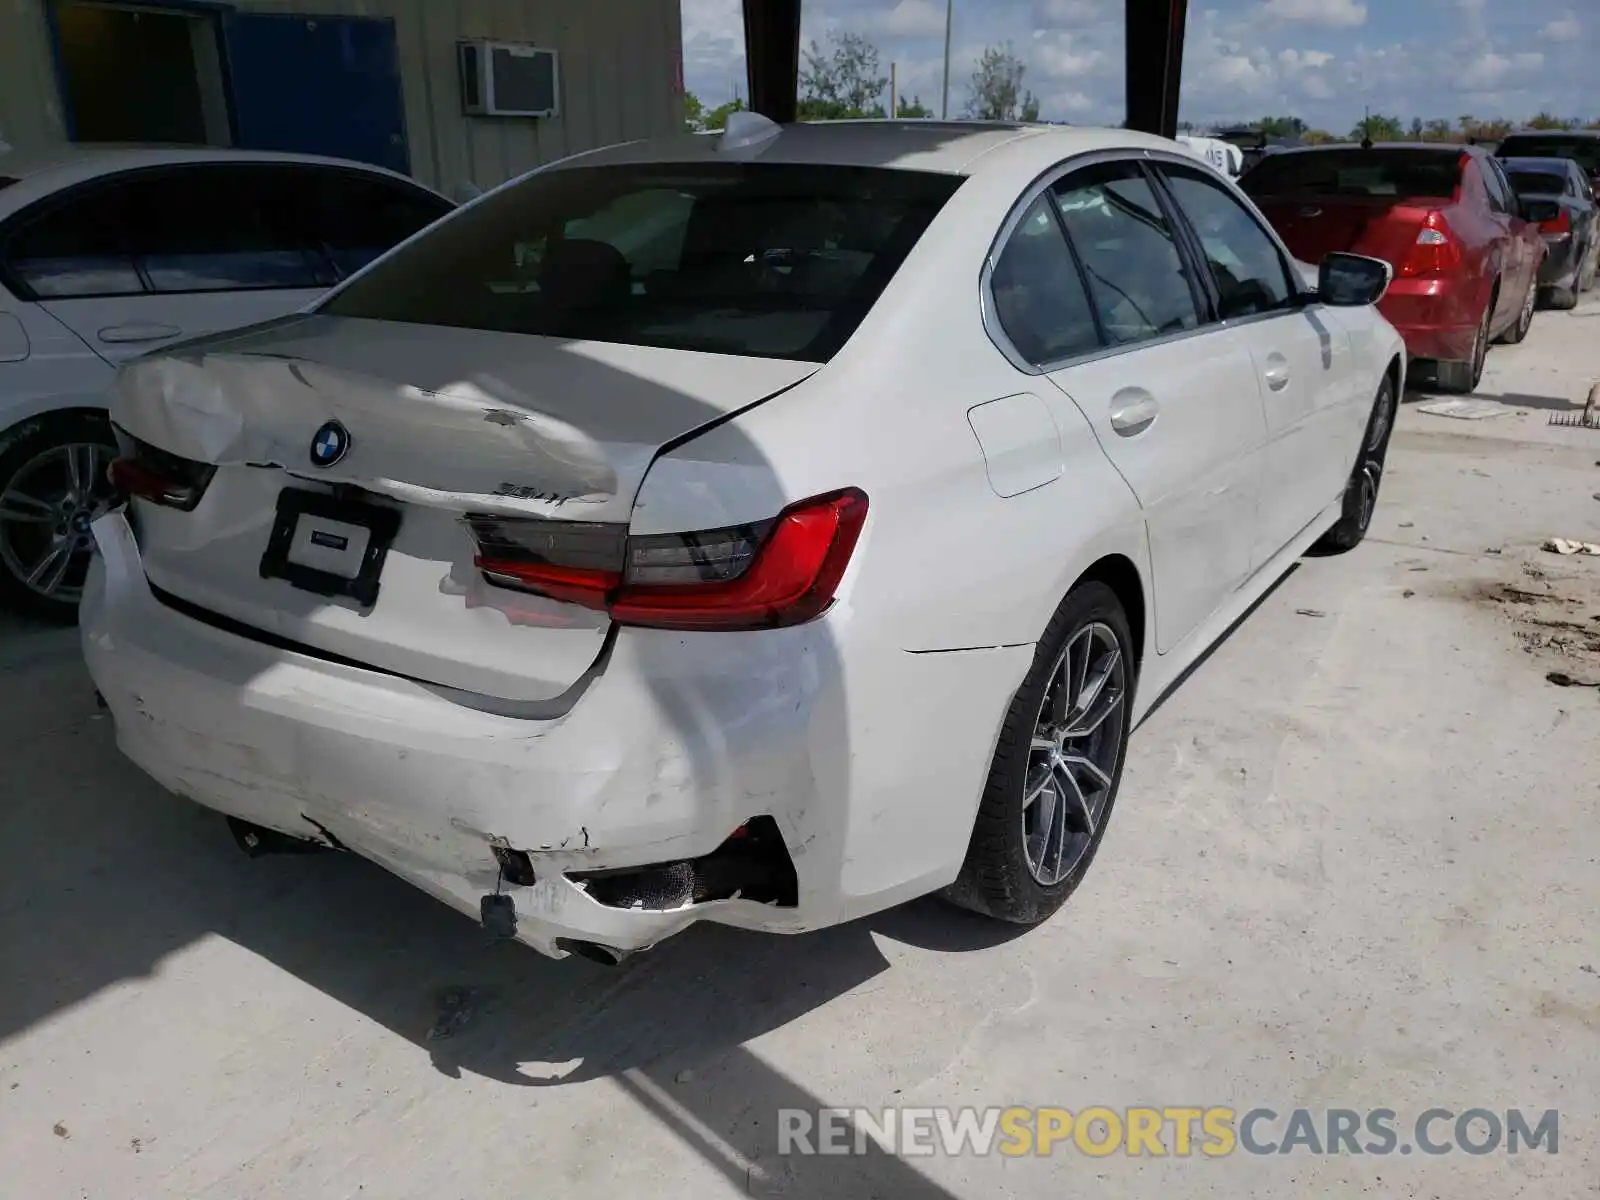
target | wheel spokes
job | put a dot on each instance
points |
(48, 572)
(19, 508)
(1077, 800)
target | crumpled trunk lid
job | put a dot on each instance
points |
(437, 423)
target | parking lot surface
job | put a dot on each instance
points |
(1355, 864)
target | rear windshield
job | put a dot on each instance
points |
(771, 260)
(1356, 172)
(1537, 183)
(1585, 151)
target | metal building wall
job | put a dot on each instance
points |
(620, 77)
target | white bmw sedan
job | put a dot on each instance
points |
(107, 253)
(763, 528)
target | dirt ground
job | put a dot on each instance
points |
(1356, 863)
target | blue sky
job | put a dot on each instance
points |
(1321, 60)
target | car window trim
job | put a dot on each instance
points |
(1044, 181)
(1299, 297)
(46, 205)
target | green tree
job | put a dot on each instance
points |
(717, 118)
(1287, 127)
(1468, 124)
(1379, 128)
(1437, 130)
(694, 113)
(1319, 137)
(841, 80)
(1546, 120)
(912, 108)
(997, 93)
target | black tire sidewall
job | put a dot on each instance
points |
(995, 877)
(19, 445)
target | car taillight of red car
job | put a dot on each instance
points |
(1435, 252)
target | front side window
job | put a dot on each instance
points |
(1250, 273)
(353, 218)
(763, 259)
(1039, 298)
(1135, 271)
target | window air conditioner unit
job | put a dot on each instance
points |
(509, 79)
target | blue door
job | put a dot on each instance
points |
(317, 85)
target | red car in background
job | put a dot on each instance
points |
(1465, 250)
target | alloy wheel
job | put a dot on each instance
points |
(45, 511)
(1072, 759)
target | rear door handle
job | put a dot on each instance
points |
(1133, 410)
(136, 332)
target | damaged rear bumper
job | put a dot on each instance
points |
(667, 757)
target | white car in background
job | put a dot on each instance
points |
(821, 558)
(1223, 156)
(109, 253)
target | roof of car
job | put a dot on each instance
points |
(39, 172)
(950, 147)
(1553, 133)
(1435, 147)
(1531, 163)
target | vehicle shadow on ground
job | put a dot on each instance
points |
(1544, 403)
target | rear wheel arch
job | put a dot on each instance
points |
(1118, 573)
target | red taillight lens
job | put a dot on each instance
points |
(760, 576)
(153, 474)
(1561, 223)
(1436, 251)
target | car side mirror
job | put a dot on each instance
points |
(1352, 280)
(1540, 211)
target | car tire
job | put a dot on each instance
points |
(1464, 375)
(1564, 299)
(1361, 489)
(43, 509)
(1524, 322)
(1044, 810)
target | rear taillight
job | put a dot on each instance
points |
(1559, 224)
(1436, 251)
(154, 474)
(757, 576)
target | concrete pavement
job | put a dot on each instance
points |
(1355, 863)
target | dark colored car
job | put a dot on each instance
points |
(1571, 237)
(1582, 146)
(1466, 250)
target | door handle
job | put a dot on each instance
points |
(135, 332)
(1133, 410)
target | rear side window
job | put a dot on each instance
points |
(1356, 172)
(75, 249)
(1537, 183)
(764, 259)
(1039, 298)
(1585, 151)
(1135, 271)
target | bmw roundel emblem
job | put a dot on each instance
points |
(330, 445)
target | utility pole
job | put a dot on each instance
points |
(894, 90)
(949, 19)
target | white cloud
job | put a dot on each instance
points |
(1491, 70)
(1073, 12)
(911, 18)
(1562, 29)
(1314, 59)
(1335, 13)
(1061, 56)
